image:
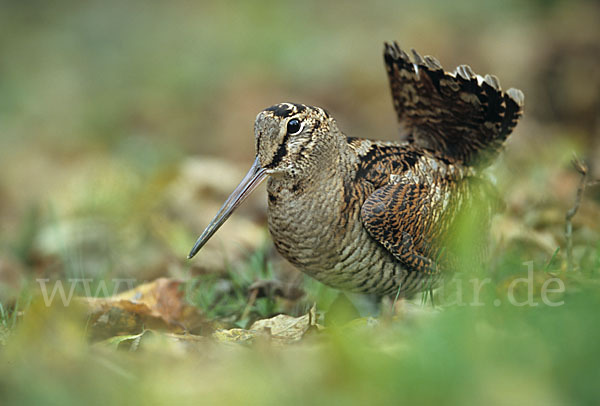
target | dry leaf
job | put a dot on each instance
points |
(163, 297)
(158, 305)
(282, 329)
(235, 335)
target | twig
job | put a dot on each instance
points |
(251, 300)
(583, 171)
(397, 297)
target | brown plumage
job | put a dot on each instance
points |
(382, 217)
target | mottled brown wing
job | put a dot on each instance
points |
(422, 224)
(464, 116)
(400, 217)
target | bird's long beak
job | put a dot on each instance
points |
(253, 178)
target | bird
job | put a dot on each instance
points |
(380, 217)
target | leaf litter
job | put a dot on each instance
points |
(159, 308)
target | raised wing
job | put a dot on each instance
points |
(461, 115)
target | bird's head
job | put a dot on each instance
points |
(291, 140)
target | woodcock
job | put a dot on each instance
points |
(379, 217)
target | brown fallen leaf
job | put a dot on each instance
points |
(157, 305)
(281, 329)
(163, 297)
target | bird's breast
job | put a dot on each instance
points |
(319, 230)
(304, 220)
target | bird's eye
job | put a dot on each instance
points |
(294, 126)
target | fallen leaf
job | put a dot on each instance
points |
(281, 329)
(235, 335)
(133, 341)
(157, 305)
(163, 297)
